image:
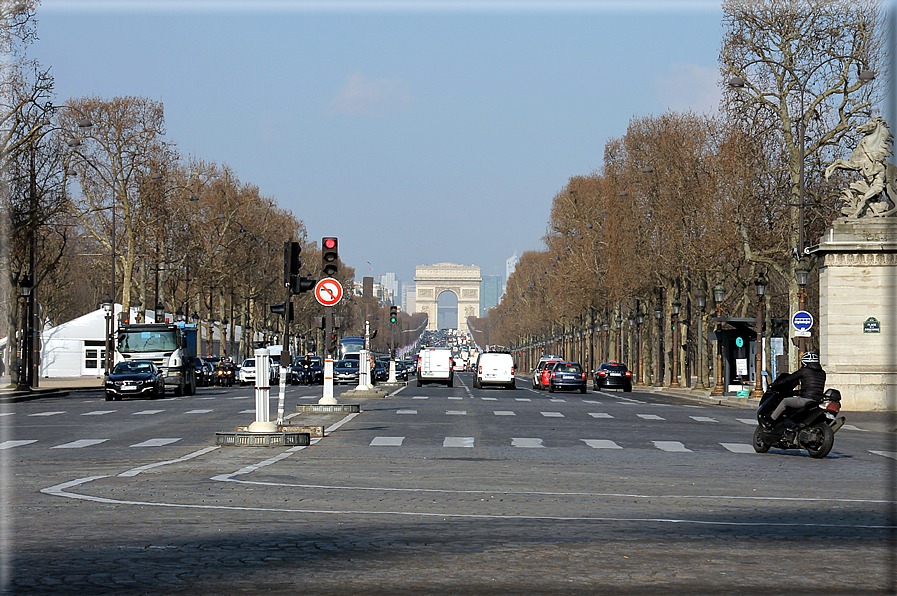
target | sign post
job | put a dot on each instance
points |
(328, 292)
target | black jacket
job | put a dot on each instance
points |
(811, 378)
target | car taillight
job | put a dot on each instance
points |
(833, 406)
(602, 373)
(554, 375)
(628, 374)
(583, 376)
(480, 370)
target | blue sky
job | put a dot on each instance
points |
(417, 132)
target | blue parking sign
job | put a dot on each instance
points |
(802, 320)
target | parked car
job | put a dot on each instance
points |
(567, 375)
(494, 368)
(345, 371)
(135, 378)
(612, 375)
(540, 373)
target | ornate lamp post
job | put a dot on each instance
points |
(719, 294)
(701, 299)
(606, 351)
(160, 312)
(674, 319)
(27, 343)
(619, 325)
(802, 275)
(760, 286)
(639, 319)
(108, 307)
(658, 367)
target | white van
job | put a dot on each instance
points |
(434, 365)
(494, 368)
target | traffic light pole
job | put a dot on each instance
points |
(284, 356)
(328, 398)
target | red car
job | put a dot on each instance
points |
(542, 373)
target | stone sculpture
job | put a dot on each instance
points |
(875, 195)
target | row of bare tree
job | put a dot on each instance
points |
(684, 204)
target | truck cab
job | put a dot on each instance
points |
(170, 346)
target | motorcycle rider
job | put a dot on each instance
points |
(811, 378)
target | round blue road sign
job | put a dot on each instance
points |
(802, 320)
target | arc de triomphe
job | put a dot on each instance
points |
(463, 280)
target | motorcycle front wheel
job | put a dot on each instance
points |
(825, 441)
(759, 445)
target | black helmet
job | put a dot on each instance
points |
(809, 357)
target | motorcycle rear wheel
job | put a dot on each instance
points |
(825, 445)
(759, 445)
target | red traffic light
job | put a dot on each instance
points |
(330, 243)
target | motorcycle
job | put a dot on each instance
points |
(811, 427)
(224, 376)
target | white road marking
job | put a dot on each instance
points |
(557, 400)
(247, 411)
(504, 413)
(420, 397)
(137, 470)
(98, 412)
(738, 447)
(552, 414)
(239, 397)
(456, 398)
(11, 444)
(406, 411)
(702, 419)
(527, 443)
(750, 421)
(387, 441)
(852, 427)
(147, 412)
(650, 417)
(891, 454)
(6, 413)
(458, 442)
(489, 398)
(456, 412)
(199, 411)
(671, 446)
(155, 443)
(46, 414)
(600, 444)
(600, 415)
(80, 443)
(522, 399)
(591, 401)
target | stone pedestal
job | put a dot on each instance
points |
(858, 311)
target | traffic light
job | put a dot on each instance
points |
(280, 309)
(333, 344)
(393, 314)
(291, 262)
(329, 256)
(301, 284)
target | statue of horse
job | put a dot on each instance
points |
(879, 185)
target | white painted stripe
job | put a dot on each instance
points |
(527, 443)
(6, 413)
(148, 412)
(199, 411)
(456, 412)
(750, 421)
(600, 415)
(650, 417)
(247, 411)
(738, 447)
(591, 401)
(489, 398)
(891, 454)
(503, 413)
(11, 444)
(702, 419)
(522, 399)
(80, 443)
(387, 441)
(552, 414)
(557, 400)
(239, 397)
(456, 398)
(671, 446)
(600, 444)
(458, 442)
(155, 442)
(98, 412)
(46, 414)
(137, 470)
(406, 411)
(852, 427)
(420, 397)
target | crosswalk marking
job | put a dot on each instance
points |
(552, 414)
(489, 398)
(600, 444)
(504, 413)
(406, 411)
(46, 413)
(591, 401)
(80, 443)
(11, 444)
(198, 411)
(98, 412)
(458, 442)
(738, 447)
(456, 397)
(420, 397)
(527, 443)
(456, 412)
(147, 412)
(671, 446)
(387, 441)
(703, 419)
(522, 399)
(155, 443)
(600, 415)
(557, 400)
(650, 417)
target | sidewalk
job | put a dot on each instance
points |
(48, 387)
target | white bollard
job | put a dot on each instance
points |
(328, 399)
(364, 371)
(262, 422)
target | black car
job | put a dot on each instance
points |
(381, 371)
(307, 370)
(612, 375)
(567, 375)
(345, 371)
(204, 372)
(135, 378)
(401, 371)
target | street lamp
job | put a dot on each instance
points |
(606, 351)
(674, 320)
(701, 299)
(658, 367)
(619, 324)
(802, 275)
(639, 319)
(108, 307)
(27, 344)
(160, 312)
(760, 286)
(719, 294)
